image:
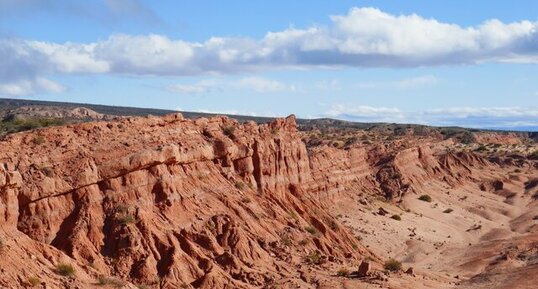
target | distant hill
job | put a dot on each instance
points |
(7, 105)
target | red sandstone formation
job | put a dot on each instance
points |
(211, 203)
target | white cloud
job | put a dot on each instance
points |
(481, 117)
(406, 83)
(364, 37)
(262, 85)
(203, 86)
(256, 84)
(463, 112)
(30, 87)
(364, 113)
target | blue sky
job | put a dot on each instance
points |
(467, 63)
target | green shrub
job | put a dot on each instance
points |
(333, 225)
(481, 148)
(126, 219)
(239, 185)
(34, 281)
(448, 211)
(65, 269)
(343, 272)
(425, 198)
(286, 240)
(393, 265)
(229, 131)
(47, 172)
(313, 258)
(396, 217)
(311, 230)
(38, 140)
(103, 280)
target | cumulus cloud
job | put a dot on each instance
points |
(30, 87)
(364, 37)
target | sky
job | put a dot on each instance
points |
(464, 63)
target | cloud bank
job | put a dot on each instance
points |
(481, 117)
(365, 37)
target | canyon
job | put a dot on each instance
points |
(172, 202)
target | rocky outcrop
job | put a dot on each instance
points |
(166, 202)
(169, 202)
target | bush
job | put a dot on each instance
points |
(286, 240)
(481, 148)
(448, 211)
(239, 185)
(65, 269)
(393, 265)
(34, 281)
(2, 244)
(311, 230)
(313, 258)
(534, 155)
(126, 219)
(103, 280)
(396, 217)
(425, 198)
(47, 172)
(38, 140)
(229, 131)
(333, 225)
(343, 272)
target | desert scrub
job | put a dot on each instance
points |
(481, 148)
(396, 217)
(229, 131)
(311, 230)
(333, 225)
(392, 265)
(286, 240)
(38, 140)
(425, 198)
(239, 185)
(448, 211)
(65, 269)
(34, 281)
(126, 219)
(313, 258)
(47, 171)
(103, 280)
(343, 272)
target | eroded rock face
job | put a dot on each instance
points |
(167, 202)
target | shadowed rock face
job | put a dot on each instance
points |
(167, 202)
